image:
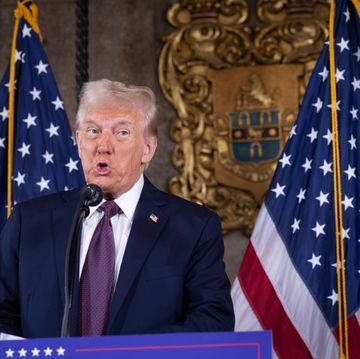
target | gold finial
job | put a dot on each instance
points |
(29, 14)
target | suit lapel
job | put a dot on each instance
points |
(149, 221)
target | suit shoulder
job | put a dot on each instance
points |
(48, 201)
(177, 203)
(188, 208)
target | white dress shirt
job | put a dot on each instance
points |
(121, 224)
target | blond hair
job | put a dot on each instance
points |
(140, 98)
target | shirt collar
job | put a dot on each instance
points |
(127, 201)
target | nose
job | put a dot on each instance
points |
(104, 143)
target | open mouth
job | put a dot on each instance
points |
(102, 168)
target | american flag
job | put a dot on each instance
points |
(45, 158)
(287, 280)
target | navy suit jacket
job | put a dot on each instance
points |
(172, 277)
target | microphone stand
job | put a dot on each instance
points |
(90, 195)
(70, 262)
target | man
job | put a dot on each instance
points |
(163, 254)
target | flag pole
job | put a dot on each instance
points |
(357, 5)
(31, 17)
(11, 111)
(340, 262)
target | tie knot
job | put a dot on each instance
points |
(110, 208)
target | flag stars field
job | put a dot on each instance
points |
(328, 137)
(350, 172)
(4, 114)
(307, 164)
(339, 75)
(347, 202)
(319, 229)
(35, 93)
(285, 160)
(345, 233)
(58, 103)
(337, 105)
(343, 44)
(279, 190)
(354, 113)
(323, 198)
(72, 165)
(314, 260)
(41, 67)
(42, 145)
(333, 297)
(352, 142)
(8, 85)
(30, 120)
(20, 178)
(53, 130)
(357, 54)
(296, 225)
(24, 149)
(326, 167)
(26, 31)
(48, 157)
(301, 195)
(20, 56)
(312, 135)
(324, 74)
(355, 84)
(43, 184)
(318, 104)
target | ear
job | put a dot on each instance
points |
(149, 150)
(78, 141)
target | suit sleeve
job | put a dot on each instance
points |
(9, 296)
(208, 304)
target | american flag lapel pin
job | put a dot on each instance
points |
(153, 217)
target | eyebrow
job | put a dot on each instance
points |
(116, 124)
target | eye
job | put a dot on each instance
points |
(92, 132)
(122, 133)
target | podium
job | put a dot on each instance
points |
(224, 345)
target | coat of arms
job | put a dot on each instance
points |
(235, 72)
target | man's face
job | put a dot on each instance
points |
(113, 147)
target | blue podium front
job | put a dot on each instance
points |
(244, 345)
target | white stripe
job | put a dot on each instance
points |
(298, 304)
(245, 319)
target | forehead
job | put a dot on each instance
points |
(113, 112)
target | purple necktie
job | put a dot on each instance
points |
(97, 278)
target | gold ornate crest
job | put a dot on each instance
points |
(236, 86)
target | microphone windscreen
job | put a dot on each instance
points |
(91, 195)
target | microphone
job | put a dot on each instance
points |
(91, 195)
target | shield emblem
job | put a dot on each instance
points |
(255, 135)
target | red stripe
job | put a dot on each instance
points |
(268, 308)
(354, 337)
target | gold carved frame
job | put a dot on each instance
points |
(210, 38)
